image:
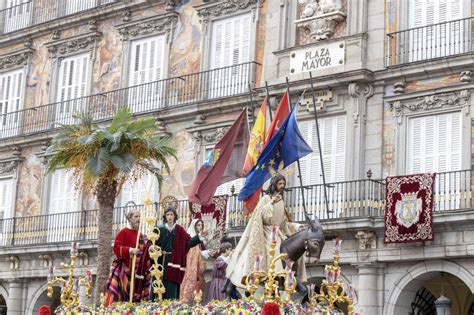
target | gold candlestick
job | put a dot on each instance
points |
(270, 278)
(332, 291)
(155, 252)
(69, 293)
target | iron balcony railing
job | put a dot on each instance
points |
(347, 199)
(21, 14)
(148, 97)
(429, 42)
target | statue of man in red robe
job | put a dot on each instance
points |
(118, 284)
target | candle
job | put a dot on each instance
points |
(256, 263)
(89, 275)
(337, 247)
(290, 281)
(74, 285)
(73, 248)
(50, 273)
(274, 232)
(331, 276)
(338, 272)
(289, 264)
(350, 291)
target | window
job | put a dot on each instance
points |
(17, 15)
(11, 102)
(434, 145)
(73, 6)
(430, 37)
(230, 46)
(6, 198)
(73, 82)
(63, 204)
(333, 143)
(135, 192)
(6, 207)
(147, 66)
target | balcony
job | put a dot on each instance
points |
(429, 42)
(347, 200)
(154, 96)
(35, 12)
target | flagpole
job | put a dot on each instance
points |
(268, 101)
(298, 162)
(319, 146)
(251, 103)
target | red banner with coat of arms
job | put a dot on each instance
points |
(409, 208)
(214, 217)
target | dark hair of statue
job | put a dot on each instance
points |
(195, 224)
(224, 247)
(273, 184)
(169, 209)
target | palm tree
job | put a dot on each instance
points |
(102, 158)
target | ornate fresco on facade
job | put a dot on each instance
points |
(433, 83)
(107, 69)
(260, 41)
(181, 177)
(389, 137)
(29, 187)
(185, 54)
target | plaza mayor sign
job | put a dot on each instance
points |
(318, 57)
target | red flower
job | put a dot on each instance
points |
(270, 308)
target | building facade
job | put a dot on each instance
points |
(392, 86)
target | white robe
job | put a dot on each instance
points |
(256, 241)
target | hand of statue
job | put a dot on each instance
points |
(302, 227)
(276, 198)
(134, 251)
(204, 233)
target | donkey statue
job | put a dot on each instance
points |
(310, 241)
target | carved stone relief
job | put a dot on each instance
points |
(158, 24)
(435, 101)
(83, 42)
(367, 239)
(361, 92)
(16, 59)
(320, 18)
(215, 135)
(225, 7)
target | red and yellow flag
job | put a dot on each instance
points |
(257, 138)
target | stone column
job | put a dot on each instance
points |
(15, 298)
(367, 297)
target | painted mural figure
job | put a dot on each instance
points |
(175, 243)
(118, 284)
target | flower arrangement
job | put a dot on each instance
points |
(234, 307)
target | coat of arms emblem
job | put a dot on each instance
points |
(408, 209)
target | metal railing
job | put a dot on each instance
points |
(347, 199)
(34, 12)
(429, 42)
(148, 97)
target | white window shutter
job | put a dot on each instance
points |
(230, 44)
(434, 143)
(147, 60)
(138, 191)
(62, 195)
(73, 77)
(333, 135)
(11, 87)
(339, 137)
(6, 198)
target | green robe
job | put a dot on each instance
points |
(166, 243)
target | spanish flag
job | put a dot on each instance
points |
(257, 138)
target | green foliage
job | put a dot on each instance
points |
(112, 152)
